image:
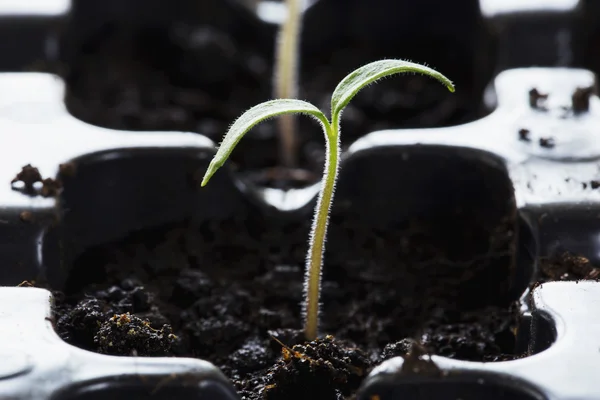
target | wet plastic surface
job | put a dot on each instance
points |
(546, 147)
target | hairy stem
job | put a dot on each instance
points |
(316, 250)
(286, 80)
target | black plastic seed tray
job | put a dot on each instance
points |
(536, 152)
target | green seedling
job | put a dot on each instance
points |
(286, 79)
(343, 93)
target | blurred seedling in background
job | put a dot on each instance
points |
(286, 79)
(288, 15)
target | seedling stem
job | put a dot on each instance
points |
(343, 93)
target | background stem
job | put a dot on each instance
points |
(286, 80)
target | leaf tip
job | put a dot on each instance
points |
(208, 174)
(451, 87)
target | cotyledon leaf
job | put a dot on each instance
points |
(367, 74)
(254, 116)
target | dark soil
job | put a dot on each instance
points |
(230, 292)
(567, 267)
(580, 100)
(34, 185)
(119, 335)
(29, 176)
(547, 143)
(537, 100)
(524, 135)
